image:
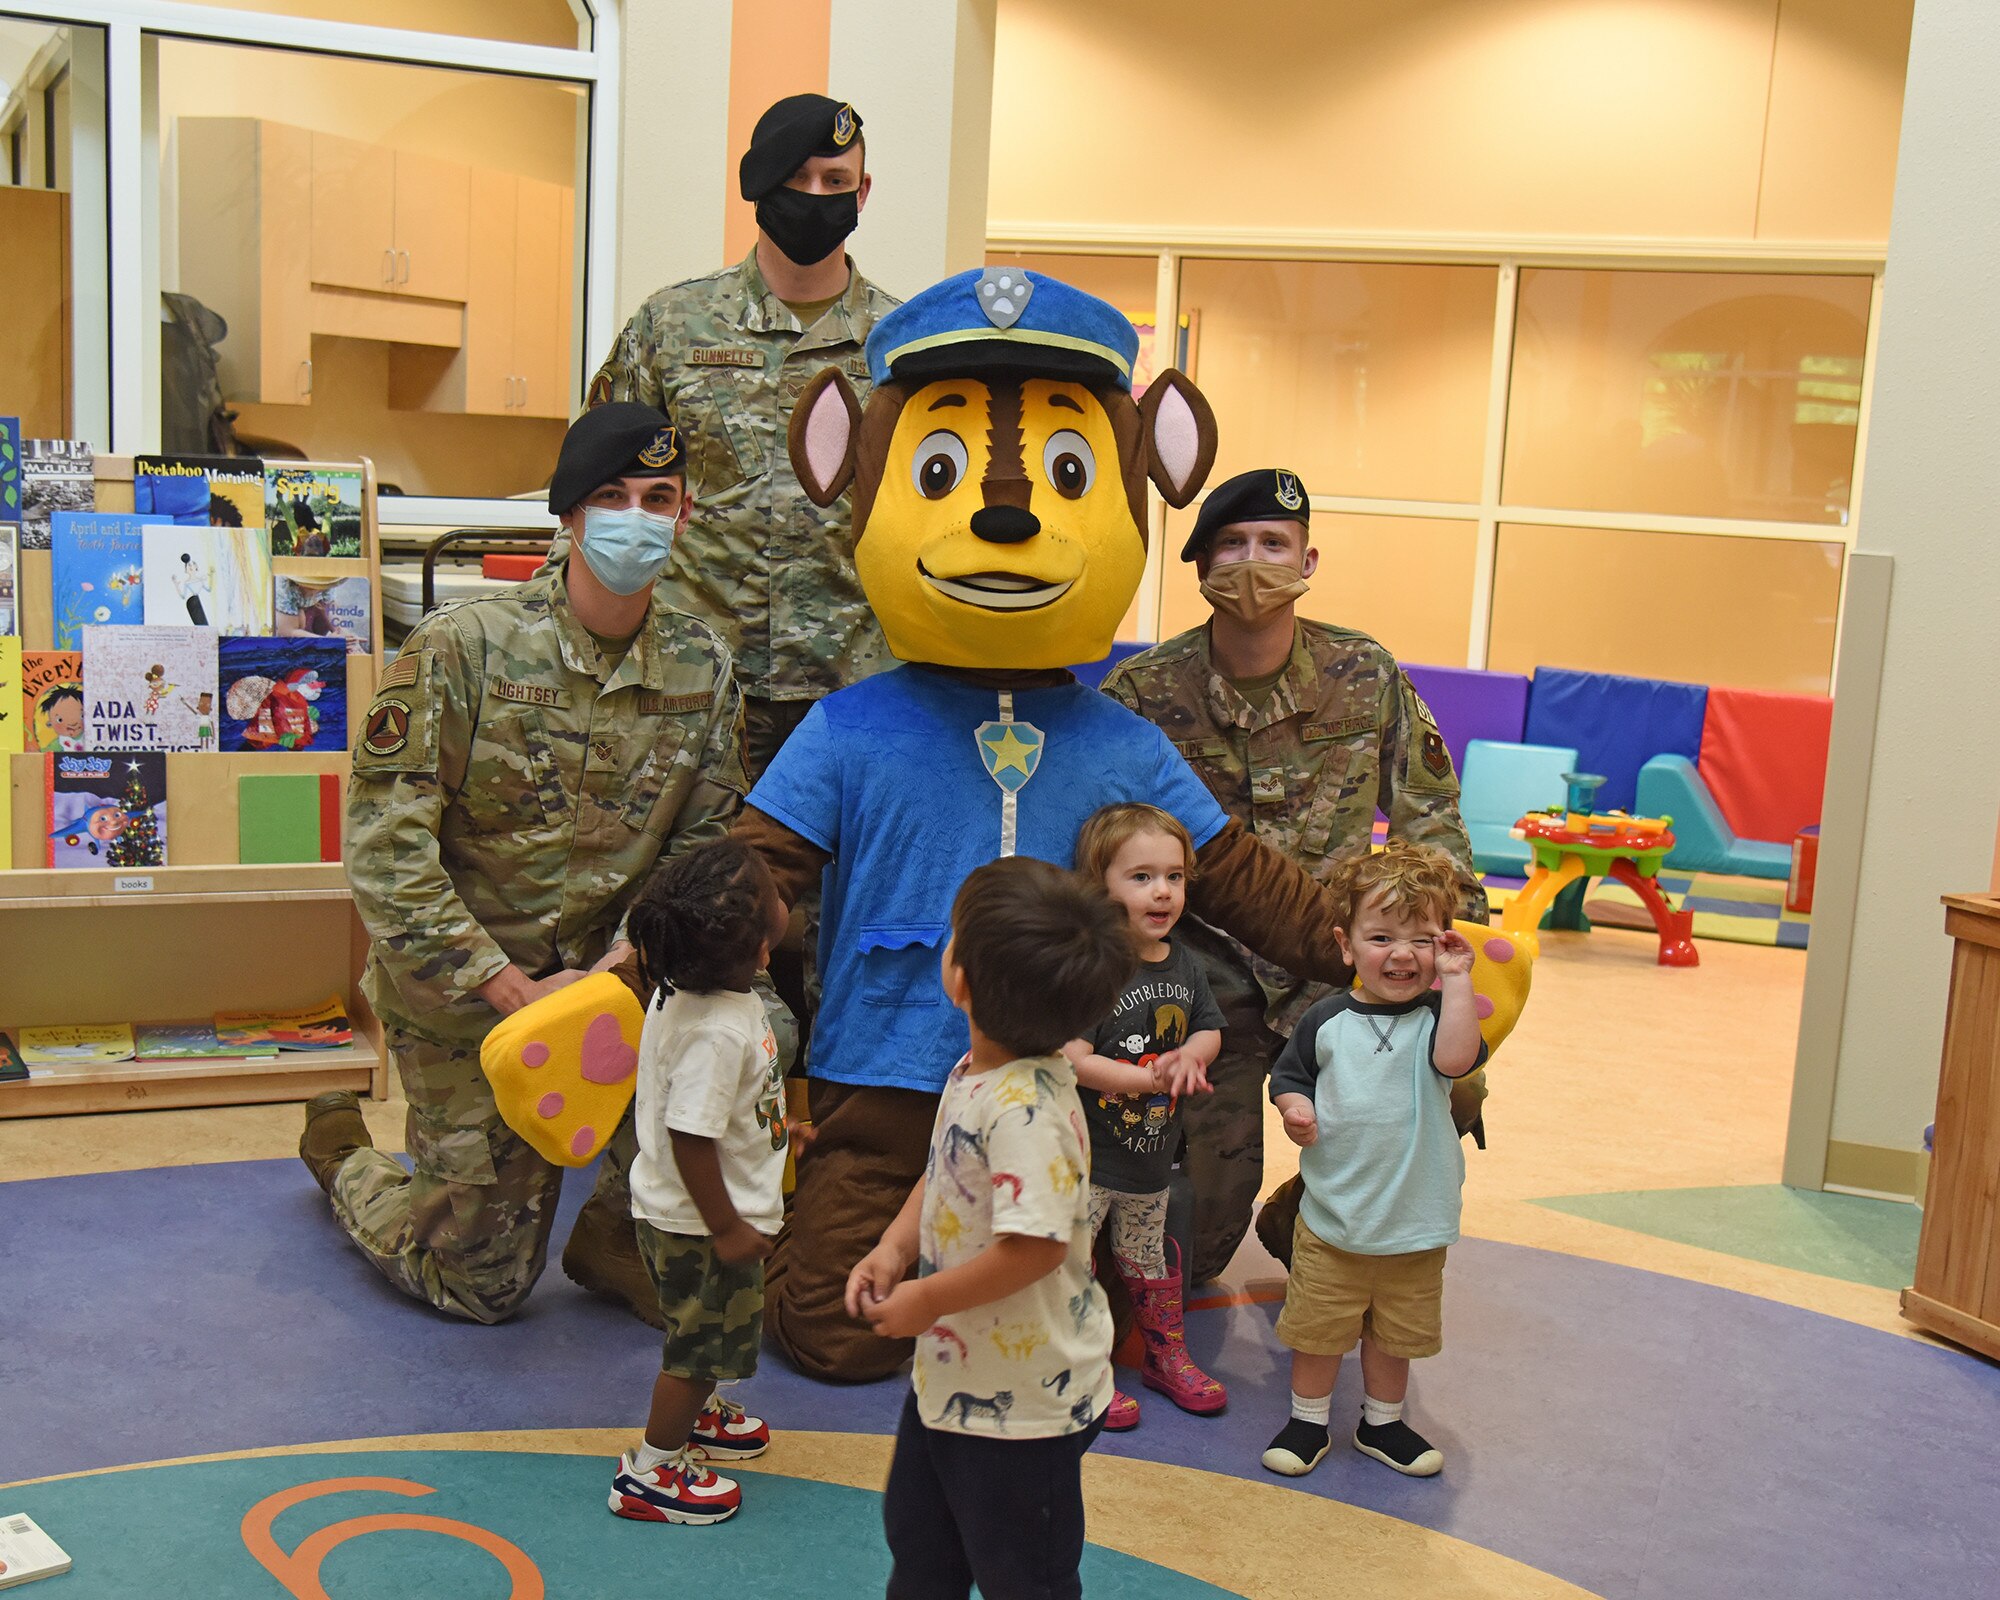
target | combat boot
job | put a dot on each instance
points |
(334, 1131)
(603, 1256)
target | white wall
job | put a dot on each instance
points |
(1933, 484)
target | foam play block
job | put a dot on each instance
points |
(1472, 705)
(1671, 786)
(1616, 724)
(1501, 783)
(1763, 757)
(563, 1069)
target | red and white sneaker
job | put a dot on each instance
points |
(726, 1432)
(679, 1489)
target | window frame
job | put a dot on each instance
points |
(118, 399)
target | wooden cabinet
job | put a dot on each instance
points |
(34, 335)
(388, 220)
(246, 242)
(1957, 1288)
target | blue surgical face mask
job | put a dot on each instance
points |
(626, 549)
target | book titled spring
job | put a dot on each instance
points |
(27, 1553)
(190, 1041)
(77, 1044)
(320, 1027)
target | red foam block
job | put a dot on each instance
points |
(1764, 758)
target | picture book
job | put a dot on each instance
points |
(312, 509)
(13, 717)
(106, 810)
(52, 699)
(96, 571)
(12, 1068)
(76, 1042)
(325, 605)
(10, 469)
(288, 816)
(321, 1027)
(193, 491)
(55, 476)
(188, 1041)
(10, 582)
(26, 1552)
(283, 694)
(207, 578)
(150, 689)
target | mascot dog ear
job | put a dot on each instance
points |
(821, 437)
(1179, 430)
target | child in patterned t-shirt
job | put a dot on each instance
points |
(1013, 1365)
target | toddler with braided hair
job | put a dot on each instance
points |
(708, 1182)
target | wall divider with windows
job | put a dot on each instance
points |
(243, 152)
(1601, 456)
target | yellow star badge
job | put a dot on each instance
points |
(1011, 751)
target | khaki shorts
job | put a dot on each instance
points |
(714, 1311)
(1335, 1298)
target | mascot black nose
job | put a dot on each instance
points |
(1005, 524)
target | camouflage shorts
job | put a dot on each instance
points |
(714, 1311)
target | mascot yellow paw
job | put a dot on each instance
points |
(563, 1069)
(1502, 970)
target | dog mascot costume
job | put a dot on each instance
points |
(999, 480)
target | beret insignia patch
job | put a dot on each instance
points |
(1290, 495)
(843, 126)
(665, 446)
(388, 728)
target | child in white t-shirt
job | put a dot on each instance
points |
(1013, 1364)
(708, 1182)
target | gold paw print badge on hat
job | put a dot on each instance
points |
(563, 1068)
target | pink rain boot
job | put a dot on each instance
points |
(1168, 1367)
(1123, 1415)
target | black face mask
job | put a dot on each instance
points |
(808, 227)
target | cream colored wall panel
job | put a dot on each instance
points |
(1836, 112)
(1402, 116)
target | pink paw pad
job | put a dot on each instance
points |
(549, 1106)
(1482, 1007)
(584, 1138)
(1500, 951)
(534, 1053)
(607, 1058)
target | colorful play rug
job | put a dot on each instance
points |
(1742, 910)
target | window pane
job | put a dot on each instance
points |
(545, 22)
(52, 134)
(1405, 580)
(1365, 378)
(394, 251)
(1699, 608)
(1695, 394)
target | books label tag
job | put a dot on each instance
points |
(132, 885)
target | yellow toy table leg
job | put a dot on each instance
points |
(1525, 911)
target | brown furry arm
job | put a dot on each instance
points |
(795, 861)
(1267, 900)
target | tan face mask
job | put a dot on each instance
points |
(1252, 592)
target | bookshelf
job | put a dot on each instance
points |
(204, 933)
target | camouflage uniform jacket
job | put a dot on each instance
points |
(758, 562)
(511, 793)
(1342, 735)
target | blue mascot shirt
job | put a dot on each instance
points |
(888, 776)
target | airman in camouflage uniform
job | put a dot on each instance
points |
(1305, 764)
(516, 780)
(727, 355)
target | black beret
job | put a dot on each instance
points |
(1270, 494)
(621, 439)
(797, 127)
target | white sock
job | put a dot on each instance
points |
(1376, 1413)
(646, 1457)
(1314, 1411)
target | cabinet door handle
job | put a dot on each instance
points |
(306, 378)
(388, 266)
(405, 278)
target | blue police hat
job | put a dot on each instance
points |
(1005, 319)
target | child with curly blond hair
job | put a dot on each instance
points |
(1364, 1088)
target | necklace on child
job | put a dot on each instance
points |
(1382, 1035)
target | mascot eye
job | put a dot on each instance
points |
(939, 464)
(1068, 463)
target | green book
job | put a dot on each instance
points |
(278, 817)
